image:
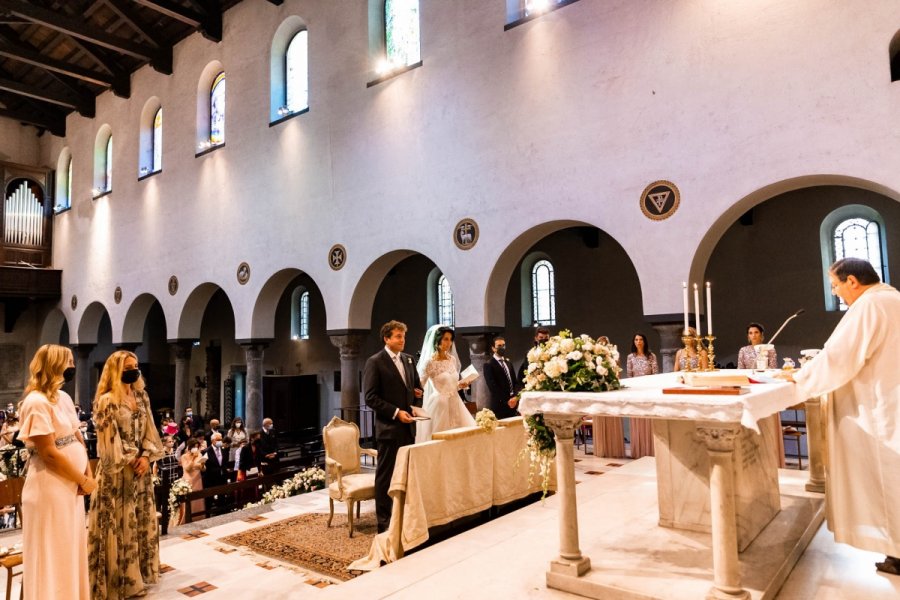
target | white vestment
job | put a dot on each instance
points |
(859, 364)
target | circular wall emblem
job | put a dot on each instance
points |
(173, 285)
(117, 295)
(74, 301)
(337, 257)
(243, 273)
(660, 200)
(465, 234)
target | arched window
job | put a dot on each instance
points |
(894, 53)
(217, 110)
(401, 32)
(107, 180)
(296, 73)
(157, 141)
(543, 294)
(102, 162)
(63, 181)
(444, 295)
(855, 231)
(300, 314)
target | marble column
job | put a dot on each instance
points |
(815, 440)
(570, 561)
(254, 399)
(478, 355)
(182, 350)
(83, 376)
(719, 439)
(349, 346)
(669, 342)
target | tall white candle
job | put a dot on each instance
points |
(708, 310)
(697, 309)
(685, 294)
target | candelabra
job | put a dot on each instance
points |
(695, 342)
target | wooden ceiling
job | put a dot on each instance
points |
(56, 56)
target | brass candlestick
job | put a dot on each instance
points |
(710, 353)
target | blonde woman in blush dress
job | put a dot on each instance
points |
(123, 533)
(641, 362)
(610, 443)
(691, 360)
(53, 534)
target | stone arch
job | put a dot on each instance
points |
(262, 324)
(363, 298)
(135, 318)
(191, 317)
(52, 328)
(495, 291)
(734, 211)
(89, 325)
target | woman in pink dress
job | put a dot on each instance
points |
(53, 533)
(641, 362)
(193, 463)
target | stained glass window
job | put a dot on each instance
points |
(217, 110)
(300, 314)
(304, 316)
(107, 184)
(67, 201)
(543, 294)
(538, 6)
(157, 141)
(859, 238)
(401, 32)
(297, 73)
(445, 302)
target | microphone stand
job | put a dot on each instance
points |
(786, 321)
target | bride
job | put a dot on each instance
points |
(439, 372)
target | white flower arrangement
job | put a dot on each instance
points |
(306, 480)
(486, 419)
(177, 494)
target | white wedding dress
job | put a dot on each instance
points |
(442, 402)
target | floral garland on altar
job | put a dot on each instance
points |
(307, 480)
(564, 364)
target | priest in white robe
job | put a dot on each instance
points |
(859, 365)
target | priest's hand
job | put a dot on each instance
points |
(786, 375)
(404, 417)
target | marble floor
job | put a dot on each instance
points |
(505, 558)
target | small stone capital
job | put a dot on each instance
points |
(718, 437)
(563, 426)
(348, 344)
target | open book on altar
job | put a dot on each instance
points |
(468, 375)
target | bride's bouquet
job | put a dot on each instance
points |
(572, 364)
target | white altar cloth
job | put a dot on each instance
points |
(643, 397)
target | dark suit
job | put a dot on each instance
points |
(385, 393)
(216, 473)
(500, 387)
(268, 444)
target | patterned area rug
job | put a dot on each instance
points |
(305, 541)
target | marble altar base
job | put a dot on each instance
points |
(633, 558)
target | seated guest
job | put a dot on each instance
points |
(756, 334)
(641, 362)
(691, 360)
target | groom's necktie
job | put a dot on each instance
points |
(400, 368)
(508, 376)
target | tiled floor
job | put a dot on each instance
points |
(495, 558)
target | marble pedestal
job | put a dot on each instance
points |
(683, 470)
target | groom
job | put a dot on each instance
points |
(393, 391)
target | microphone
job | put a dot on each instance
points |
(786, 321)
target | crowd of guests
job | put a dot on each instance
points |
(117, 556)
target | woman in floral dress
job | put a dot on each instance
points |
(123, 535)
(641, 362)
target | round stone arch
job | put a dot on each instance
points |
(89, 324)
(741, 206)
(262, 325)
(53, 326)
(191, 317)
(136, 317)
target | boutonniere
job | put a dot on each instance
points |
(409, 360)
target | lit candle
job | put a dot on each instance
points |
(684, 290)
(708, 310)
(697, 309)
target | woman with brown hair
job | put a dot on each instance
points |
(53, 532)
(123, 532)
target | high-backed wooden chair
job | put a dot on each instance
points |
(11, 495)
(342, 468)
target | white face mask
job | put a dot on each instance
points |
(195, 450)
(218, 444)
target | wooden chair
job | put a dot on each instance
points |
(11, 495)
(342, 468)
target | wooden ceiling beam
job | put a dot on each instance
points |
(129, 15)
(19, 51)
(84, 106)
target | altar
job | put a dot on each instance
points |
(716, 468)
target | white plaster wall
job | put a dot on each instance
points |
(565, 118)
(19, 143)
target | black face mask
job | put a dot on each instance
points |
(501, 351)
(69, 374)
(131, 375)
